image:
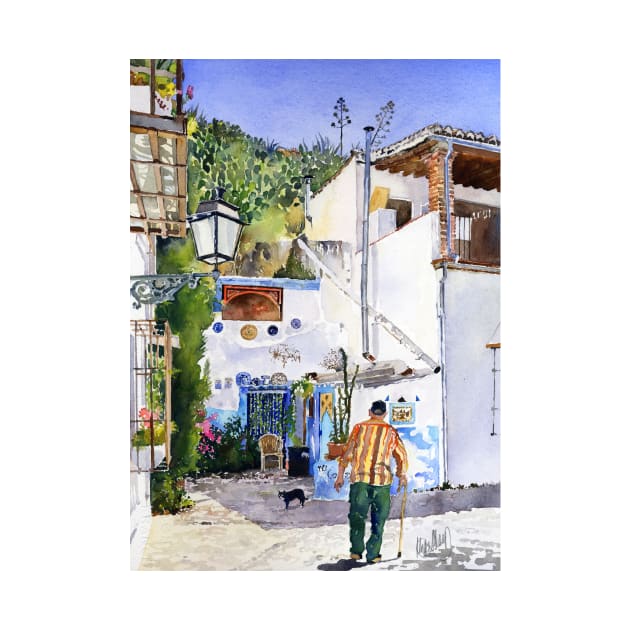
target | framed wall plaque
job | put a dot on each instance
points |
(402, 413)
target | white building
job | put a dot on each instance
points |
(157, 207)
(430, 348)
(432, 289)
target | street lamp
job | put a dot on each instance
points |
(216, 229)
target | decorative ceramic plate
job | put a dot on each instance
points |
(278, 378)
(217, 327)
(272, 330)
(296, 323)
(249, 332)
(243, 379)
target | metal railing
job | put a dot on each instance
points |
(150, 400)
(477, 239)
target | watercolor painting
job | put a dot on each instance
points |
(315, 349)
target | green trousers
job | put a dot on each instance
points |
(364, 496)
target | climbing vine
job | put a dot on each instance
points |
(189, 315)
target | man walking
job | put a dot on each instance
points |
(371, 446)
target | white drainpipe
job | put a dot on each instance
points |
(365, 245)
(443, 363)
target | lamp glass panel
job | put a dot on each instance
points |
(145, 176)
(169, 180)
(203, 235)
(141, 147)
(228, 235)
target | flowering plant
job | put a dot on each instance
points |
(210, 436)
(166, 90)
(142, 436)
(148, 415)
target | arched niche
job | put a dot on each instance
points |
(248, 305)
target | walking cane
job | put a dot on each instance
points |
(402, 516)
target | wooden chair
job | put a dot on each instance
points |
(270, 446)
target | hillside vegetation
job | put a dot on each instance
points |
(264, 180)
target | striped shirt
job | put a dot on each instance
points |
(370, 448)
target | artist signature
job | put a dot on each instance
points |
(424, 545)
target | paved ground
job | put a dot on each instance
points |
(255, 495)
(241, 524)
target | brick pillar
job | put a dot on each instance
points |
(437, 201)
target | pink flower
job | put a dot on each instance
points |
(147, 415)
(189, 92)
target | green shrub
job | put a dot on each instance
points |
(232, 449)
(167, 497)
(293, 268)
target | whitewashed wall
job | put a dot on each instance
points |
(142, 262)
(472, 315)
(402, 286)
(333, 209)
(478, 195)
(228, 353)
(413, 189)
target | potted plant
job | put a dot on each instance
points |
(298, 453)
(342, 409)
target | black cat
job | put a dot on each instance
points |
(292, 494)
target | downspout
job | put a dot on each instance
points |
(447, 195)
(449, 254)
(365, 246)
(443, 371)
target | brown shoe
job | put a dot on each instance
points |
(355, 556)
(374, 560)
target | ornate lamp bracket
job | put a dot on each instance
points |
(162, 288)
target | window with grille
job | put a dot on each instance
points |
(477, 233)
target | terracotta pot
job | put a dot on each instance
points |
(335, 450)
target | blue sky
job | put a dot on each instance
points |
(292, 100)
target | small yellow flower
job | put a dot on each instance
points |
(166, 89)
(191, 126)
